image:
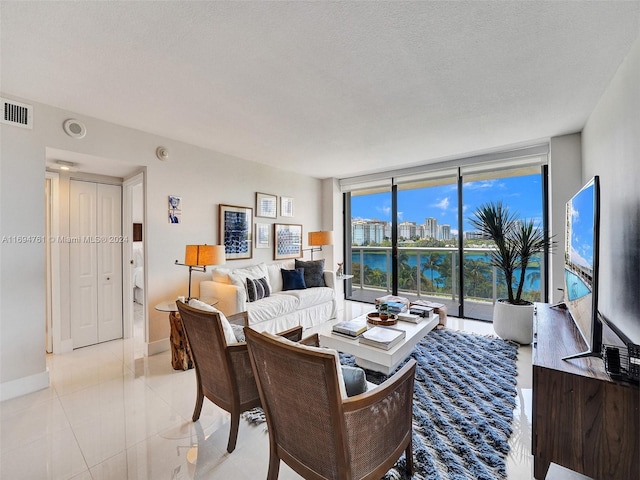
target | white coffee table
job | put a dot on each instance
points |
(372, 358)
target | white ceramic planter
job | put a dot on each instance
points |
(513, 322)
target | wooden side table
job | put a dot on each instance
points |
(181, 358)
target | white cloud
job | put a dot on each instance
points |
(383, 209)
(481, 185)
(442, 204)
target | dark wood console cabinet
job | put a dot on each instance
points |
(582, 419)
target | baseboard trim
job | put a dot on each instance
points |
(158, 346)
(24, 385)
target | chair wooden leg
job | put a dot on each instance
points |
(233, 432)
(274, 464)
(408, 455)
(198, 407)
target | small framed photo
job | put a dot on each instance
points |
(266, 205)
(263, 235)
(286, 207)
(235, 231)
(175, 203)
(287, 241)
(175, 216)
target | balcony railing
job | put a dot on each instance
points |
(432, 273)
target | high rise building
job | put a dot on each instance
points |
(407, 230)
(431, 227)
(367, 232)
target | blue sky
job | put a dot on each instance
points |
(522, 194)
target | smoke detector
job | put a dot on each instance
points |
(162, 153)
(74, 128)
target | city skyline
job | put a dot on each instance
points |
(522, 194)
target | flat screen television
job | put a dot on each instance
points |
(581, 265)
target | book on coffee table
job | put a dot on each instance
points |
(351, 328)
(382, 337)
(421, 310)
(396, 307)
(410, 317)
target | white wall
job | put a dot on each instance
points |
(565, 173)
(203, 179)
(22, 265)
(611, 149)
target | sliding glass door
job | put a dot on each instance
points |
(427, 242)
(369, 234)
(521, 190)
(412, 238)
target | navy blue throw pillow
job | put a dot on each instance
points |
(293, 279)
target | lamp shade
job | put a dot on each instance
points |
(200, 255)
(317, 239)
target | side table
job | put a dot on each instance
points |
(343, 277)
(181, 358)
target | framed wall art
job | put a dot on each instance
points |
(235, 231)
(175, 209)
(263, 235)
(266, 205)
(287, 241)
(286, 207)
(175, 203)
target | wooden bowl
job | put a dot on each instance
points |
(374, 319)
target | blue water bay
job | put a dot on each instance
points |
(381, 260)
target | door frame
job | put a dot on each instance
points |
(52, 255)
(127, 255)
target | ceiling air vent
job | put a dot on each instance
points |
(16, 113)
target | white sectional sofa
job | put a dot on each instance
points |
(282, 309)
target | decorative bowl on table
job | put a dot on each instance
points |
(375, 318)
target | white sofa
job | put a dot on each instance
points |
(282, 309)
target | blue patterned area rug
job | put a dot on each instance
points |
(464, 396)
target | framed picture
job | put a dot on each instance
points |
(263, 235)
(235, 231)
(175, 203)
(287, 241)
(175, 216)
(266, 205)
(286, 207)
(175, 209)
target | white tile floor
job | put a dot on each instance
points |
(109, 416)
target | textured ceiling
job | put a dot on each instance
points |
(328, 89)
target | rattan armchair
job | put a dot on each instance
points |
(223, 372)
(316, 431)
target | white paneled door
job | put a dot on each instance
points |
(95, 250)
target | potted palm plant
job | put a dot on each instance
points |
(516, 242)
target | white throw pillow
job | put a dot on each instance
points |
(220, 275)
(343, 389)
(229, 336)
(275, 276)
(254, 271)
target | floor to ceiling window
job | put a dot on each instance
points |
(370, 232)
(410, 235)
(427, 236)
(520, 189)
